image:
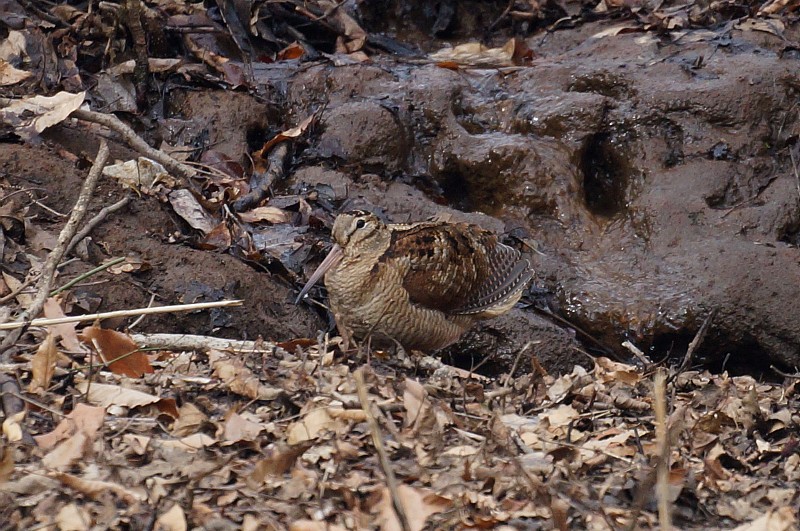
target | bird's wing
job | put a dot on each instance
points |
(456, 268)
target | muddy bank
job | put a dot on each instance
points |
(655, 176)
(648, 177)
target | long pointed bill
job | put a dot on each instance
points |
(333, 258)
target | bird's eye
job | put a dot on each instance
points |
(360, 224)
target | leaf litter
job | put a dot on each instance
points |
(275, 437)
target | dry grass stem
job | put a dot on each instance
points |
(377, 441)
(123, 313)
(662, 443)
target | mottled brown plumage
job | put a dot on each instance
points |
(421, 284)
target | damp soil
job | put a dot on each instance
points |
(649, 178)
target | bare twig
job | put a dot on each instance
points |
(122, 313)
(377, 441)
(48, 270)
(134, 141)
(96, 220)
(507, 382)
(795, 376)
(698, 338)
(20, 289)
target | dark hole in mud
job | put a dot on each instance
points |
(605, 175)
(743, 358)
(790, 232)
(456, 190)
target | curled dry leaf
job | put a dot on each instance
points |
(73, 518)
(65, 331)
(294, 132)
(280, 459)
(143, 175)
(31, 116)
(239, 379)
(85, 419)
(237, 428)
(191, 443)
(43, 364)
(106, 395)
(310, 426)
(174, 519)
(10, 75)
(476, 54)
(419, 504)
(781, 519)
(12, 427)
(131, 264)
(265, 213)
(189, 208)
(118, 351)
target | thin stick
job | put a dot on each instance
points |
(698, 338)
(20, 289)
(48, 270)
(95, 221)
(123, 313)
(377, 441)
(86, 275)
(662, 482)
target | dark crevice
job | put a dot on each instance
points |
(605, 175)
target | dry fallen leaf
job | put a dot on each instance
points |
(294, 132)
(83, 418)
(143, 175)
(419, 504)
(65, 331)
(173, 519)
(781, 519)
(265, 213)
(476, 54)
(30, 116)
(73, 518)
(10, 75)
(310, 426)
(238, 428)
(118, 351)
(280, 459)
(43, 364)
(12, 428)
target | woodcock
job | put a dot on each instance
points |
(421, 284)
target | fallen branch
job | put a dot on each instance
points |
(96, 220)
(134, 141)
(194, 342)
(122, 313)
(47, 278)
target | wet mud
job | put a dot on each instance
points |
(649, 178)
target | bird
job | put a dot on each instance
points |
(421, 284)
